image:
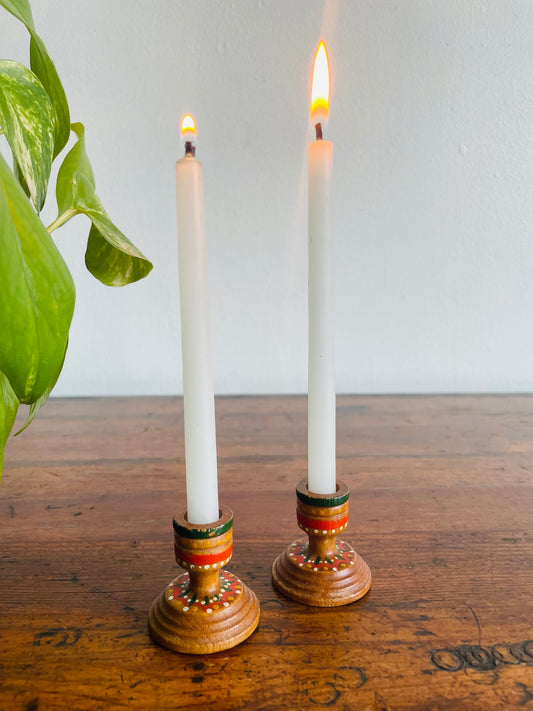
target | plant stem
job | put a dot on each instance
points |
(61, 219)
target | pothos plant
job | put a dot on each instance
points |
(36, 289)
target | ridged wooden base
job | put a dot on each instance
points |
(183, 624)
(321, 586)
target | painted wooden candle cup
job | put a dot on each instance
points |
(205, 609)
(203, 551)
(321, 570)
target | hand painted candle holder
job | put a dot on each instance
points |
(205, 609)
(321, 570)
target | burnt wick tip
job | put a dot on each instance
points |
(318, 130)
(190, 149)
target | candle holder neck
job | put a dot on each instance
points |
(204, 583)
(321, 548)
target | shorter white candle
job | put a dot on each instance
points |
(198, 394)
(321, 478)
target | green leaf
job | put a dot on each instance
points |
(44, 68)
(27, 117)
(36, 406)
(8, 409)
(68, 190)
(21, 10)
(36, 296)
(110, 256)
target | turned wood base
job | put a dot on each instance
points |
(198, 628)
(205, 609)
(322, 570)
(320, 587)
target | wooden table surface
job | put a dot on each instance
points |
(441, 509)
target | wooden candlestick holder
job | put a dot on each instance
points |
(205, 609)
(321, 570)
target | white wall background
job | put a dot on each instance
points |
(432, 124)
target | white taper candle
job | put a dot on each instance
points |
(198, 394)
(321, 477)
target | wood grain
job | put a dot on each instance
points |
(441, 509)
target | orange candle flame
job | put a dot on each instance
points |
(188, 127)
(320, 90)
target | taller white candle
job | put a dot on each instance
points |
(198, 394)
(321, 477)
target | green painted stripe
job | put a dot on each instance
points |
(202, 532)
(319, 500)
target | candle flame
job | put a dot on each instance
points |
(188, 127)
(320, 90)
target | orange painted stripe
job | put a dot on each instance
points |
(322, 525)
(202, 559)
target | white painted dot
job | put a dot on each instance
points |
(185, 609)
(192, 565)
(351, 562)
(333, 530)
(300, 564)
(315, 530)
(334, 569)
(324, 531)
(209, 610)
(171, 597)
(315, 568)
(226, 604)
(207, 567)
(238, 592)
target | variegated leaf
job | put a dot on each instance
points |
(27, 118)
(36, 296)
